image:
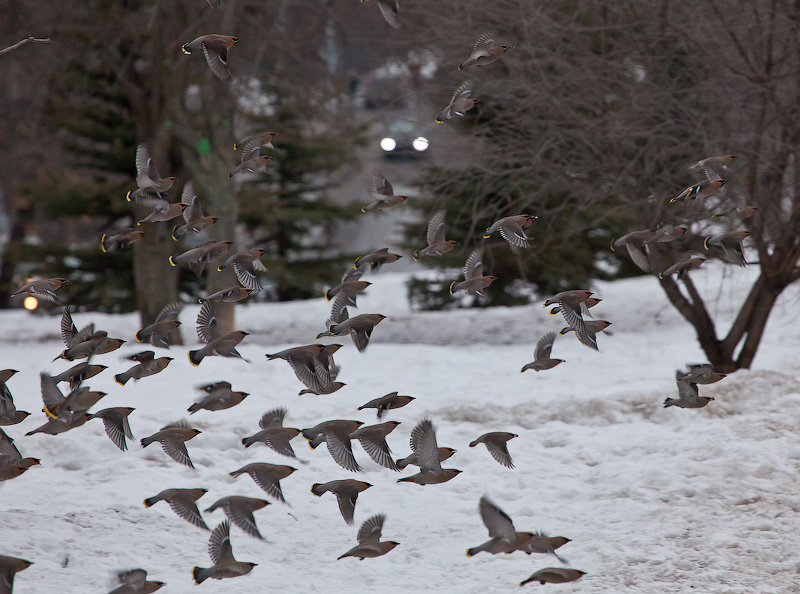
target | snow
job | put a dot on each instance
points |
(653, 499)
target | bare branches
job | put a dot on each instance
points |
(19, 44)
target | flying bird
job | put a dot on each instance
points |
(731, 245)
(215, 49)
(485, 51)
(273, 434)
(194, 219)
(183, 502)
(43, 288)
(495, 442)
(460, 103)
(541, 355)
(217, 343)
(115, 422)
(512, 230)
(173, 438)
(390, 10)
(149, 181)
(336, 435)
(267, 476)
(134, 581)
(346, 492)
(146, 366)
(158, 332)
(375, 260)
(217, 396)
(239, 510)
(369, 540)
(382, 194)
(423, 444)
(474, 282)
(388, 402)
(221, 553)
(702, 189)
(555, 575)
(437, 245)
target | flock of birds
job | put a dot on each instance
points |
(314, 364)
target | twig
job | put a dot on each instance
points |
(23, 42)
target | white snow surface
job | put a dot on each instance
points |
(654, 499)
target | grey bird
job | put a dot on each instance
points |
(239, 510)
(86, 342)
(9, 567)
(359, 327)
(306, 364)
(66, 408)
(255, 166)
(252, 145)
(267, 476)
(712, 165)
(382, 194)
(702, 189)
(147, 365)
(43, 288)
(228, 295)
(9, 415)
(460, 102)
(585, 307)
(541, 355)
(183, 503)
(194, 219)
(495, 442)
(593, 328)
(348, 289)
(174, 210)
(390, 11)
(741, 212)
(512, 230)
(12, 464)
(423, 444)
(217, 396)
(150, 182)
(326, 372)
(666, 233)
(700, 373)
(437, 245)
(569, 304)
(245, 264)
(373, 440)
(503, 538)
(61, 424)
(346, 492)
(173, 438)
(158, 332)
(474, 282)
(76, 374)
(541, 543)
(731, 245)
(375, 260)
(636, 242)
(215, 49)
(115, 422)
(369, 540)
(554, 575)
(688, 396)
(485, 51)
(134, 581)
(682, 267)
(273, 434)
(120, 240)
(413, 458)
(221, 553)
(198, 257)
(217, 343)
(388, 402)
(336, 435)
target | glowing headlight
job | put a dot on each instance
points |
(420, 143)
(388, 144)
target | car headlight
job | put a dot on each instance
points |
(420, 143)
(388, 144)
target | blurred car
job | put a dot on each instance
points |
(403, 139)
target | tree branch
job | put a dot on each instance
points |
(19, 44)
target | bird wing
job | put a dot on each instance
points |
(378, 450)
(117, 429)
(474, 266)
(51, 395)
(193, 211)
(496, 520)
(347, 504)
(134, 578)
(278, 440)
(423, 443)
(381, 185)
(207, 326)
(483, 45)
(269, 483)
(273, 418)
(512, 232)
(638, 253)
(170, 312)
(436, 228)
(9, 454)
(371, 530)
(186, 508)
(341, 450)
(499, 451)
(246, 275)
(361, 338)
(218, 62)
(303, 365)
(544, 346)
(219, 545)
(243, 518)
(389, 10)
(143, 162)
(570, 309)
(688, 391)
(175, 448)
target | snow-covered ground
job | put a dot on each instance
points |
(654, 500)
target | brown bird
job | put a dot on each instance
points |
(682, 267)
(267, 476)
(711, 165)
(239, 510)
(256, 166)
(474, 282)
(217, 396)
(273, 434)
(390, 11)
(593, 328)
(120, 240)
(9, 567)
(194, 219)
(373, 440)
(173, 438)
(388, 402)
(495, 442)
(375, 260)
(585, 307)
(252, 145)
(85, 343)
(146, 366)
(221, 553)
(503, 538)
(9, 415)
(360, 329)
(460, 103)
(636, 242)
(134, 581)
(229, 295)
(485, 51)
(336, 435)
(437, 245)
(305, 362)
(731, 245)
(115, 422)
(555, 575)
(245, 265)
(183, 503)
(76, 374)
(66, 408)
(215, 49)
(702, 373)
(158, 332)
(61, 424)
(413, 459)
(369, 540)
(217, 343)
(382, 194)
(150, 182)
(348, 289)
(201, 255)
(688, 395)
(174, 210)
(702, 189)
(570, 306)
(346, 492)
(541, 355)
(43, 288)
(423, 444)
(12, 464)
(541, 543)
(666, 233)
(742, 212)
(512, 230)
(326, 372)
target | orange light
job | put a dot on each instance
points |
(30, 303)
